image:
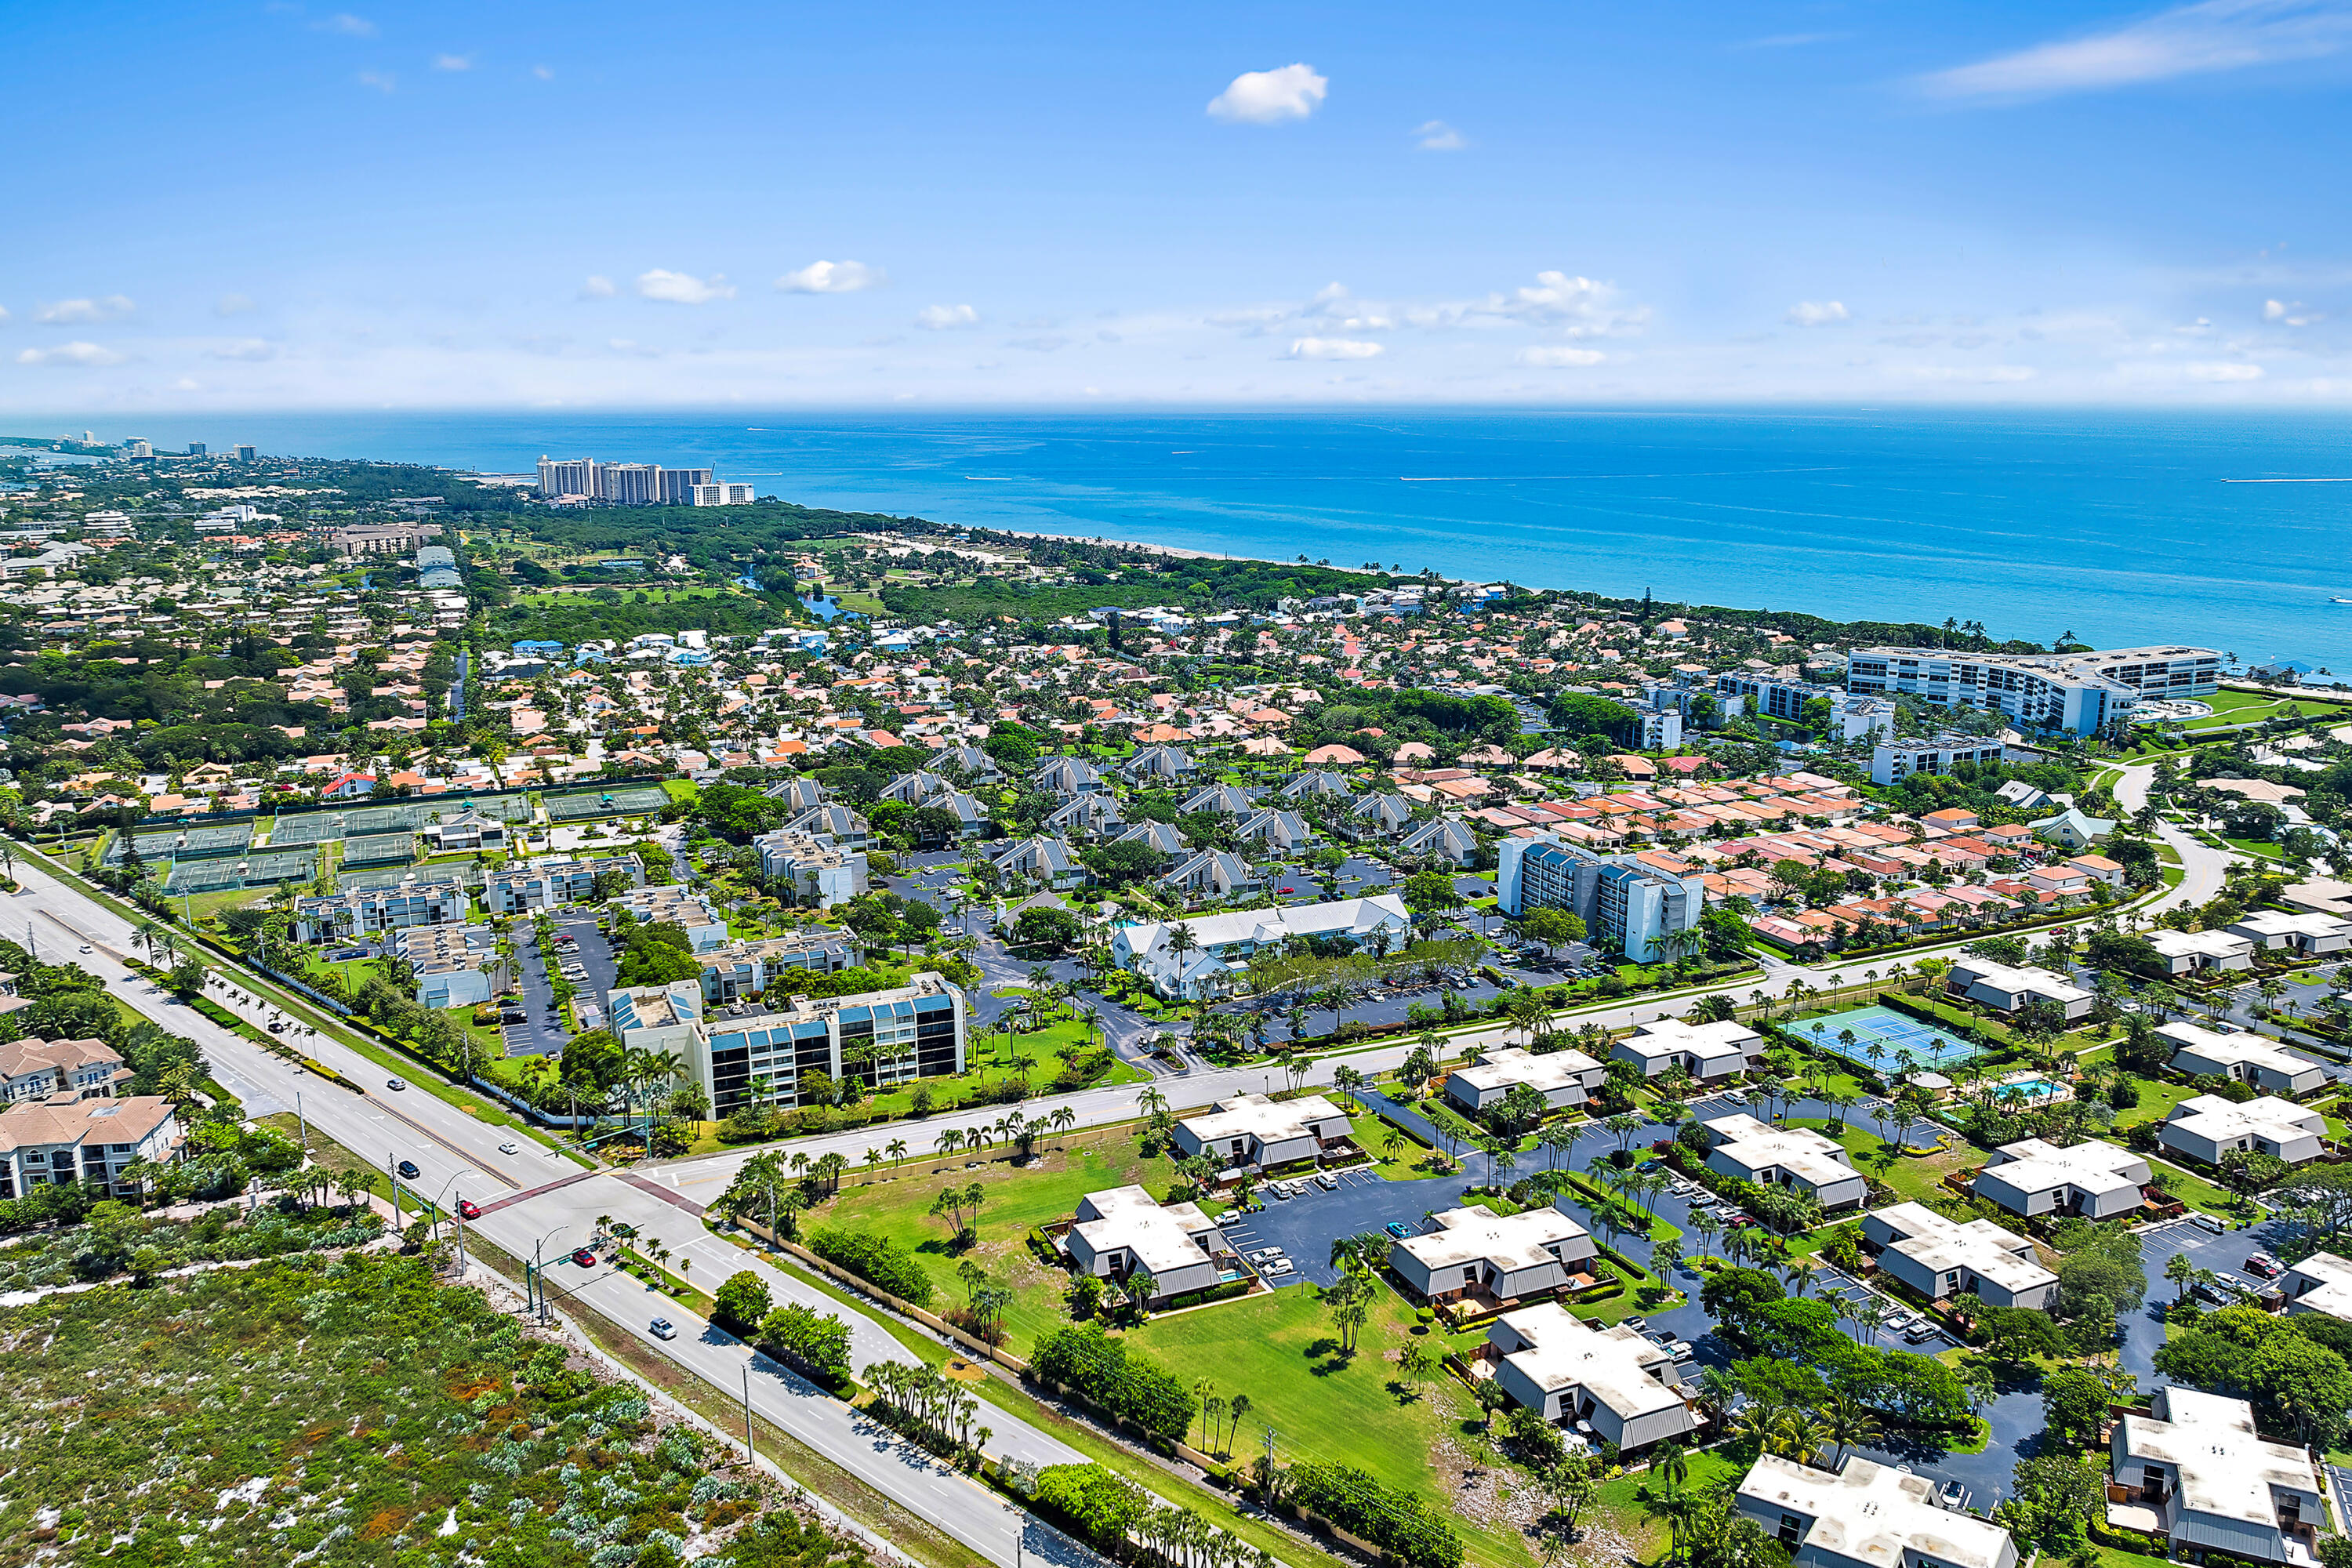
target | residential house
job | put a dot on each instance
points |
(1252, 1132)
(1473, 1252)
(1941, 1258)
(1124, 1231)
(1747, 1149)
(1865, 1515)
(2091, 1179)
(2241, 1058)
(1705, 1051)
(1566, 1370)
(2206, 1127)
(2007, 987)
(1565, 1078)
(2197, 1471)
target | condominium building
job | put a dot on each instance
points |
(1893, 760)
(368, 911)
(746, 969)
(725, 493)
(2193, 951)
(1223, 945)
(2083, 693)
(451, 962)
(1865, 1515)
(880, 1039)
(1623, 902)
(41, 1070)
(2303, 932)
(2243, 1058)
(2007, 987)
(1747, 1149)
(2206, 1127)
(66, 1142)
(1252, 1132)
(1125, 1231)
(1941, 1258)
(2090, 1180)
(2320, 1283)
(1472, 1251)
(2199, 1473)
(821, 874)
(1565, 1078)
(669, 904)
(547, 883)
(1851, 715)
(1564, 1369)
(626, 484)
(1705, 1051)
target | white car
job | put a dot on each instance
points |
(1279, 1266)
(510, 1149)
(1328, 1182)
(1264, 1254)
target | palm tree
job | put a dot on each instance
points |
(1849, 1423)
(1061, 1121)
(897, 1150)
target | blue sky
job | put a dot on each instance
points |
(253, 205)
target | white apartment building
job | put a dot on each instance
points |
(2245, 1058)
(1893, 760)
(1867, 1515)
(822, 874)
(1748, 1149)
(666, 903)
(722, 493)
(2091, 1179)
(2212, 1483)
(2080, 692)
(1564, 1369)
(1941, 1258)
(451, 962)
(2302, 933)
(2206, 1127)
(1705, 1051)
(2320, 1283)
(1223, 944)
(1471, 1251)
(41, 1070)
(1623, 902)
(2193, 951)
(369, 912)
(742, 970)
(1252, 1132)
(550, 883)
(82, 1140)
(880, 1037)
(1124, 1231)
(2007, 987)
(1564, 1078)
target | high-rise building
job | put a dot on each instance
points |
(721, 494)
(245, 453)
(629, 484)
(136, 449)
(2083, 693)
(575, 477)
(676, 486)
(197, 449)
(1623, 901)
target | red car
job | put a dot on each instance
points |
(1290, 890)
(469, 1208)
(584, 1257)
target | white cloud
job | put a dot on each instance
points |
(453, 62)
(1436, 136)
(1585, 307)
(2223, 369)
(946, 318)
(1554, 358)
(1269, 98)
(683, 287)
(2294, 315)
(1989, 375)
(187, 384)
(1333, 348)
(71, 355)
(597, 287)
(383, 81)
(232, 305)
(351, 26)
(544, 73)
(69, 312)
(2188, 40)
(1821, 313)
(832, 278)
(252, 349)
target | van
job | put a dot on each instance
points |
(2207, 1222)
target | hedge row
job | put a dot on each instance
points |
(875, 1260)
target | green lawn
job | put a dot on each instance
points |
(1617, 1510)
(1913, 1179)
(2193, 1189)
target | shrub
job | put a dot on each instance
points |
(1126, 1383)
(875, 1260)
(817, 1340)
(742, 1301)
(1398, 1521)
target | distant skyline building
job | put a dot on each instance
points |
(721, 494)
(625, 484)
(2083, 693)
(246, 452)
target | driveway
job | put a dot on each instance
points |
(1304, 1227)
(542, 1033)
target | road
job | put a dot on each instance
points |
(2202, 866)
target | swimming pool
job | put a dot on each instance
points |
(2028, 1088)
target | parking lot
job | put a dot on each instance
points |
(1302, 1228)
(586, 961)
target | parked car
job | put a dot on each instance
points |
(1263, 1255)
(585, 1257)
(1920, 1334)
(2215, 1291)
(1279, 1266)
(2265, 1265)
(1327, 1181)
(1638, 1325)
(1280, 1192)
(467, 1209)
(663, 1329)
(1682, 1351)
(1398, 1229)
(408, 1171)
(2207, 1222)
(1953, 1496)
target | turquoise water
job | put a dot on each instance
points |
(2117, 526)
(1929, 1046)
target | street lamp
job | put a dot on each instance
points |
(536, 1279)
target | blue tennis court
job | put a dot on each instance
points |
(1894, 1033)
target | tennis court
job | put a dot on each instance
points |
(387, 820)
(380, 849)
(202, 876)
(1893, 1033)
(312, 827)
(265, 869)
(624, 801)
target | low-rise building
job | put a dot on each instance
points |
(370, 912)
(42, 1070)
(466, 830)
(1705, 1051)
(548, 883)
(2245, 1058)
(1747, 1149)
(1565, 1078)
(2212, 1484)
(1941, 1258)
(66, 1142)
(1473, 1252)
(1867, 1515)
(1223, 944)
(2194, 952)
(1252, 1132)
(2091, 1179)
(2302, 933)
(820, 875)
(2320, 1283)
(1045, 861)
(451, 962)
(1124, 1231)
(2206, 1127)
(2007, 987)
(1893, 760)
(666, 903)
(1564, 1369)
(743, 970)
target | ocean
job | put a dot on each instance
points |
(2119, 527)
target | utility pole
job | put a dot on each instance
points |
(392, 1163)
(300, 1120)
(749, 1442)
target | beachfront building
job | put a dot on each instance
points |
(1624, 902)
(1893, 760)
(1472, 1252)
(2081, 693)
(1250, 1131)
(881, 1038)
(1850, 716)
(2195, 952)
(1867, 1515)
(1123, 1232)
(2245, 1058)
(1941, 1258)
(2090, 1180)
(2195, 1470)
(2005, 987)
(2206, 1127)
(1565, 1078)
(2300, 933)
(1747, 1149)
(1705, 1051)
(1613, 1379)
(2320, 1283)
(1223, 944)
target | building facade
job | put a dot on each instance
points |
(1623, 904)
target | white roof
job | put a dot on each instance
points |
(2278, 1121)
(1758, 1146)
(1267, 1121)
(1160, 1236)
(1980, 1247)
(1611, 1365)
(2333, 1292)
(1513, 1065)
(2256, 1049)
(1477, 1235)
(2188, 943)
(1869, 1513)
(2278, 922)
(1353, 917)
(2226, 1471)
(2014, 980)
(1663, 1036)
(2033, 1167)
